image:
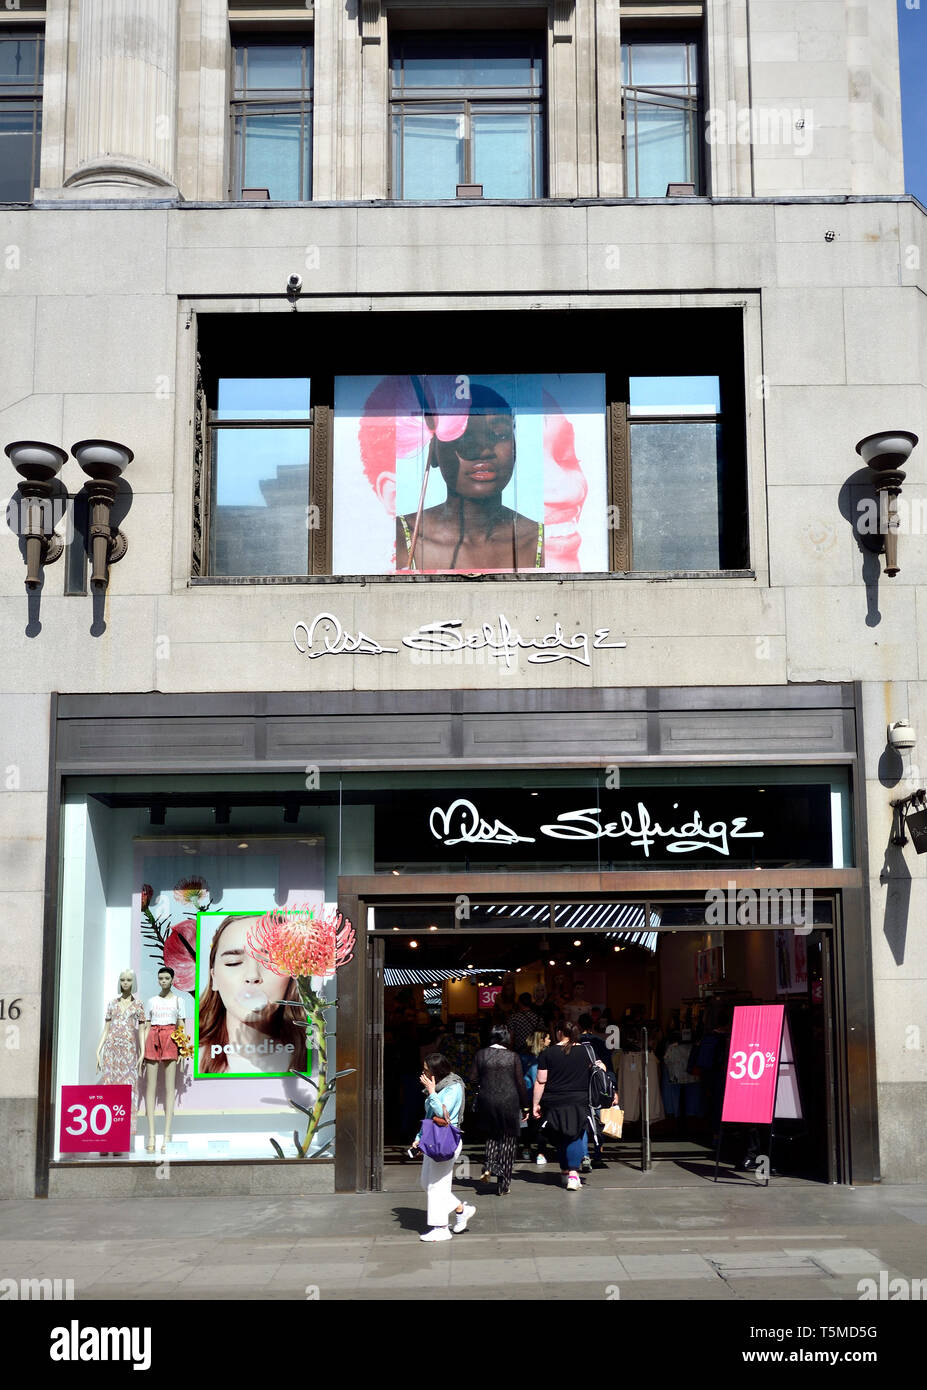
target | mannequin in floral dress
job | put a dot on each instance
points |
(120, 1048)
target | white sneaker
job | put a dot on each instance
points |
(573, 1183)
(462, 1218)
(437, 1233)
(540, 1160)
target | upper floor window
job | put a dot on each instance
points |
(467, 110)
(272, 120)
(686, 503)
(661, 116)
(258, 516)
(21, 58)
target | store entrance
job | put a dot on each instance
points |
(653, 992)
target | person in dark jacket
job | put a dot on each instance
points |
(499, 1102)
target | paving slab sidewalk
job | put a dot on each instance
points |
(793, 1240)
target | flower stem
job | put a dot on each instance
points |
(315, 1029)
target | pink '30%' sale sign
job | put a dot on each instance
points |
(753, 1064)
(96, 1119)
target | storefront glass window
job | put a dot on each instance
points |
(177, 872)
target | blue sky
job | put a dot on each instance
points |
(912, 35)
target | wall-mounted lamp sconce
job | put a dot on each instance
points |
(38, 465)
(885, 455)
(103, 460)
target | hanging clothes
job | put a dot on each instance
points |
(630, 1078)
(681, 1090)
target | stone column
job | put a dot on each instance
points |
(127, 99)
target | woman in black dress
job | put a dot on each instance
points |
(561, 1098)
(500, 1100)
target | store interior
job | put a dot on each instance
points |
(649, 988)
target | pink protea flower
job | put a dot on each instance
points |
(300, 941)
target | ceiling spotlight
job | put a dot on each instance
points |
(577, 943)
(243, 845)
(551, 962)
(413, 945)
(432, 928)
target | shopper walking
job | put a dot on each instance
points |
(500, 1100)
(524, 1021)
(561, 1100)
(533, 1139)
(444, 1099)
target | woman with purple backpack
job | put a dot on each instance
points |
(444, 1104)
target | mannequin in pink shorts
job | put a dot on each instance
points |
(165, 1011)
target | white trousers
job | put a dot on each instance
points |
(436, 1180)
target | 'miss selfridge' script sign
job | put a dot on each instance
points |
(462, 823)
(774, 824)
(325, 636)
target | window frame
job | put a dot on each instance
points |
(208, 431)
(464, 100)
(691, 104)
(272, 101)
(721, 419)
(24, 96)
(649, 358)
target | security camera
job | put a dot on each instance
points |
(294, 285)
(901, 735)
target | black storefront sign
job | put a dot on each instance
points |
(673, 827)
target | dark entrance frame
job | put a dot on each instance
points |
(853, 1131)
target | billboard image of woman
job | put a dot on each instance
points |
(467, 474)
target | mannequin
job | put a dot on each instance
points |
(165, 1011)
(120, 1049)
